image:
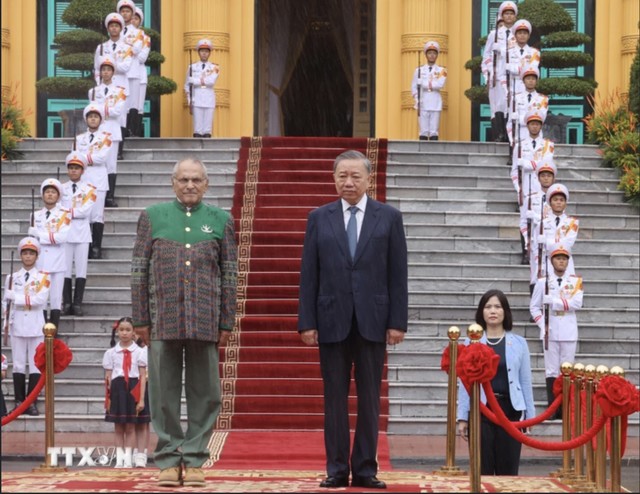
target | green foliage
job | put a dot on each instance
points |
(14, 126)
(158, 85)
(561, 59)
(567, 86)
(153, 34)
(634, 85)
(477, 94)
(78, 40)
(546, 16)
(89, 14)
(76, 61)
(614, 128)
(565, 39)
(65, 87)
(474, 64)
(155, 59)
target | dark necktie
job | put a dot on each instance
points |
(529, 97)
(47, 214)
(352, 231)
(544, 198)
(90, 140)
(430, 69)
(559, 282)
(508, 33)
(26, 276)
(106, 90)
(202, 66)
(113, 46)
(125, 30)
(74, 187)
(557, 220)
(533, 143)
(521, 51)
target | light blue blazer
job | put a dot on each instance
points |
(519, 372)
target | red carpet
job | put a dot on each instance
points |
(271, 380)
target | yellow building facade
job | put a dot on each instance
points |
(384, 40)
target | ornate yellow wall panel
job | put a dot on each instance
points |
(628, 40)
(241, 72)
(18, 48)
(459, 22)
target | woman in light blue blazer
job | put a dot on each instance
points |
(500, 453)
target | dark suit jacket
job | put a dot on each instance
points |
(374, 284)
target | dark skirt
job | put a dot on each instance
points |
(122, 409)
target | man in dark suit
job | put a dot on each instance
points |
(353, 301)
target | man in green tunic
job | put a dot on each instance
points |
(183, 293)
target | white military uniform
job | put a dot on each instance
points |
(429, 79)
(561, 229)
(535, 153)
(527, 102)
(202, 77)
(122, 56)
(97, 148)
(497, 48)
(133, 39)
(31, 293)
(566, 295)
(80, 203)
(142, 68)
(114, 99)
(520, 59)
(52, 233)
(542, 211)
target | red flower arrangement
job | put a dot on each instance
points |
(445, 362)
(478, 363)
(617, 396)
(62, 356)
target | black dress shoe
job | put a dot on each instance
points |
(334, 482)
(368, 482)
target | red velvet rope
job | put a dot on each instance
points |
(62, 357)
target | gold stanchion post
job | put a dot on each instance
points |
(578, 372)
(601, 440)
(49, 331)
(590, 374)
(474, 332)
(616, 441)
(450, 467)
(565, 472)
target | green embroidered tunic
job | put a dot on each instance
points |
(184, 272)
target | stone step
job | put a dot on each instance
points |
(142, 155)
(187, 143)
(23, 204)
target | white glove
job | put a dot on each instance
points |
(513, 116)
(526, 165)
(542, 239)
(33, 232)
(9, 295)
(521, 162)
(513, 68)
(547, 300)
(530, 215)
(418, 84)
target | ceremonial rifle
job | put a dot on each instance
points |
(419, 91)
(33, 207)
(546, 310)
(190, 83)
(529, 222)
(8, 313)
(540, 244)
(520, 200)
(509, 95)
(495, 55)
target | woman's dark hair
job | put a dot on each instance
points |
(115, 326)
(508, 318)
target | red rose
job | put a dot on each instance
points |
(445, 362)
(62, 356)
(478, 363)
(617, 396)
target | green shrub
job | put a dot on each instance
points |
(546, 16)
(567, 86)
(78, 40)
(14, 126)
(158, 85)
(634, 85)
(65, 87)
(560, 59)
(89, 14)
(565, 39)
(76, 61)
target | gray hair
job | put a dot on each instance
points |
(352, 154)
(189, 158)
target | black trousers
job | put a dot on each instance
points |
(500, 453)
(336, 361)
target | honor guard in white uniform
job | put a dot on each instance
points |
(27, 292)
(132, 37)
(558, 227)
(528, 155)
(96, 144)
(428, 81)
(528, 101)
(138, 19)
(521, 56)
(116, 50)
(560, 294)
(540, 211)
(494, 67)
(113, 98)
(79, 198)
(201, 97)
(51, 227)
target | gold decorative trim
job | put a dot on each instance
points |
(416, 41)
(216, 443)
(221, 41)
(373, 150)
(408, 102)
(629, 43)
(6, 38)
(223, 98)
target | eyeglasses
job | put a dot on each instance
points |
(195, 181)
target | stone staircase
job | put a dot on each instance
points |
(459, 213)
